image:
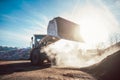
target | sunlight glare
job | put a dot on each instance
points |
(92, 25)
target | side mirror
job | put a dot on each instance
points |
(32, 42)
(32, 38)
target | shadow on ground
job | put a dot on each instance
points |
(20, 67)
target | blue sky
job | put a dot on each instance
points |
(20, 19)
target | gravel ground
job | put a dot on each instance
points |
(23, 70)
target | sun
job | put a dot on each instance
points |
(93, 27)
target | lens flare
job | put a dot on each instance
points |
(93, 27)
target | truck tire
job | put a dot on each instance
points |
(35, 57)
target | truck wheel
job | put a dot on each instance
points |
(35, 57)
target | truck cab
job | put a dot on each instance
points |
(36, 40)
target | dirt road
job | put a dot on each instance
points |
(23, 70)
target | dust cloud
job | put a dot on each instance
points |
(72, 54)
(97, 23)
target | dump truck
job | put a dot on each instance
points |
(58, 28)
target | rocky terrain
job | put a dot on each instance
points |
(14, 54)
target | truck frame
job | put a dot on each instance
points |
(58, 28)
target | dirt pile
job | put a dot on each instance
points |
(107, 69)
